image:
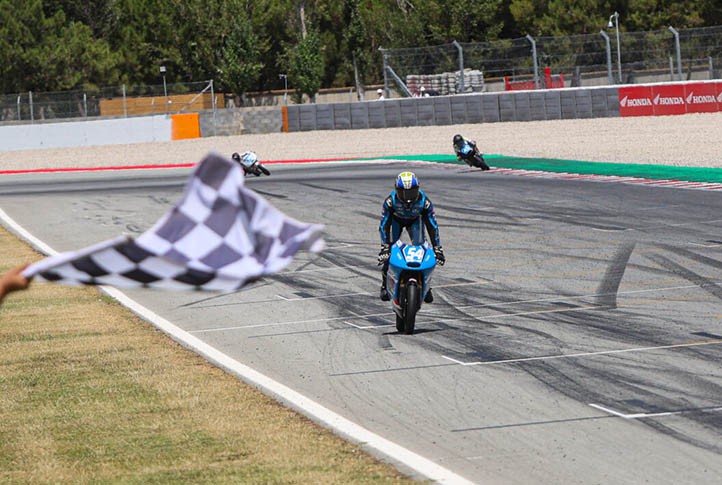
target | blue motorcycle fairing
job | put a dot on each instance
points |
(420, 260)
(466, 149)
(408, 256)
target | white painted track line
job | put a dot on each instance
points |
(298, 401)
(653, 415)
(586, 354)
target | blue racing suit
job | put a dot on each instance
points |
(396, 216)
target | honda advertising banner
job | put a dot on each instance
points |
(636, 101)
(670, 99)
(703, 97)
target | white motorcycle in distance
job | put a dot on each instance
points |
(250, 164)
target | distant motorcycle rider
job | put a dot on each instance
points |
(247, 160)
(459, 143)
(407, 207)
(467, 152)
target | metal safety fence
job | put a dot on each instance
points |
(109, 101)
(606, 58)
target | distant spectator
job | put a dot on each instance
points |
(13, 280)
(421, 93)
(380, 93)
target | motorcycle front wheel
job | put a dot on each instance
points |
(412, 306)
(264, 169)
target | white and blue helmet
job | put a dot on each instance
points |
(407, 187)
(249, 158)
(246, 159)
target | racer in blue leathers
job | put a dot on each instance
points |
(459, 142)
(407, 207)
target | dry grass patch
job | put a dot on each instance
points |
(91, 393)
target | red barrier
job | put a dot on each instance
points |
(553, 81)
(703, 97)
(636, 101)
(670, 99)
(510, 85)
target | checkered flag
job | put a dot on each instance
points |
(219, 236)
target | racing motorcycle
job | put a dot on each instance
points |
(471, 155)
(408, 281)
(250, 164)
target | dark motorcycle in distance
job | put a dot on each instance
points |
(471, 155)
(250, 164)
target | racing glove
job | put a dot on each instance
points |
(384, 254)
(439, 253)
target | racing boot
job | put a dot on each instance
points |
(384, 293)
(429, 298)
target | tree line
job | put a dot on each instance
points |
(245, 44)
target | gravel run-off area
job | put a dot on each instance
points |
(689, 140)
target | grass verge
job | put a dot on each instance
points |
(90, 393)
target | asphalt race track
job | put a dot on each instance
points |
(576, 335)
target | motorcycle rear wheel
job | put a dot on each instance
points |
(480, 163)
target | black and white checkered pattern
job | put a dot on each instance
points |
(219, 236)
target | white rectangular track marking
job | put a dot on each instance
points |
(653, 415)
(585, 354)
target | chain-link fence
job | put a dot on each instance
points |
(609, 57)
(109, 101)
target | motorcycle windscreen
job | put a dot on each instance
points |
(406, 256)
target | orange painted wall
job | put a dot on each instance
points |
(186, 125)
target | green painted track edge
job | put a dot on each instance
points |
(642, 171)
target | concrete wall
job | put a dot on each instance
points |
(446, 110)
(86, 133)
(226, 122)
(567, 103)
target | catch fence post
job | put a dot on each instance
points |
(386, 79)
(19, 117)
(608, 47)
(679, 52)
(461, 66)
(711, 68)
(32, 114)
(213, 106)
(125, 103)
(534, 59)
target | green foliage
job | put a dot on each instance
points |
(658, 14)
(241, 59)
(50, 53)
(561, 17)
(305, 66)
(71, 44)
